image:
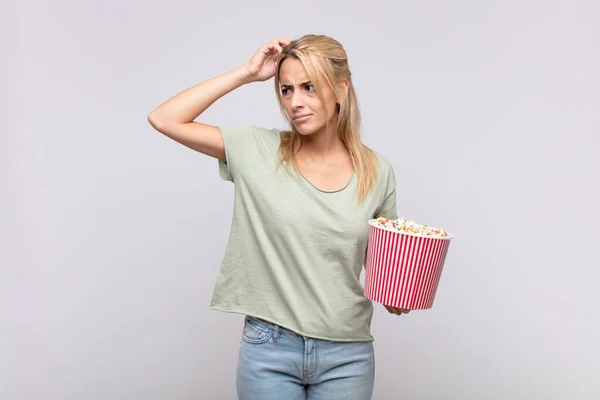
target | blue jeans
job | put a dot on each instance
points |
(276, 363)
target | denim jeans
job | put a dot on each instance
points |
(276, 363)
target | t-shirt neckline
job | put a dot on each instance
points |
(329, 191)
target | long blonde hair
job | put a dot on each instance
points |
(325, 59)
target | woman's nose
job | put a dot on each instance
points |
(297, 99)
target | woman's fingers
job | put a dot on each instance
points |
(272, 49)
(263, 62)
(278, 47)
(268, 48)
(282, 41)
(396, 310)
(275, 47)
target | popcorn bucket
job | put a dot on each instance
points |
(403, 269)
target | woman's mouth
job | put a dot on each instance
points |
(302, 118)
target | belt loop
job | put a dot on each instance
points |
(276, 333)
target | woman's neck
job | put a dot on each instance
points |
(322, 146)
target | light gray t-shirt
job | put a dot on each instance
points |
(295, 252)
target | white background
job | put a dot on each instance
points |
(112, 234)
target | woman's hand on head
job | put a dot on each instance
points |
(396, 310)
(262, 65)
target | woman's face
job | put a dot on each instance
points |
(300, 100)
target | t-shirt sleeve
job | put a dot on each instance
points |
(238, 141)
(387, 208)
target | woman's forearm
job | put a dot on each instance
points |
(188, 105)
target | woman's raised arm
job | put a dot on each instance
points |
(175, 117)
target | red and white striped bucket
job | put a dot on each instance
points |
(402, 269)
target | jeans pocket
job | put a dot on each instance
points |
(256, 331)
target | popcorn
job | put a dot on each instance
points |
(409, 226)
(404, 262)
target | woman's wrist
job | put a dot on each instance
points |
(242, 75)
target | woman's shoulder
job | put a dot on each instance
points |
(252, 130)
(266, 134)
(386, 177)
(384, 164)
(247, 135)
(266, 131)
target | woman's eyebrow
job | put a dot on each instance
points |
(302, 84)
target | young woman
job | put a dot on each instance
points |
(299, 232)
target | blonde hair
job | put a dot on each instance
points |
(324, 59)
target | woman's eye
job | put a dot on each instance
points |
(310, 88)
(285, 91)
